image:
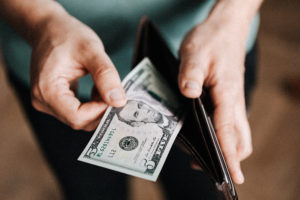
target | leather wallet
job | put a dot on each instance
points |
(197, 134)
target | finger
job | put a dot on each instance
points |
(193, 69)
(68, 108)
(231, 121)
(39, 106)
(231, 124)
(244, 148)
(106, 79)
(235, 170)
(229, 142)
(93, 125)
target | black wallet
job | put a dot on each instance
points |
(197, 134)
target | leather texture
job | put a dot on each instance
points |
(197, 134)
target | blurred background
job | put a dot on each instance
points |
(273, 170)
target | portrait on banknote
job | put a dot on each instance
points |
(137, 113)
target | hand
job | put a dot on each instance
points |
(212, 55)
(66, 51)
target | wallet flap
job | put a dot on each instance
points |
(149, 43)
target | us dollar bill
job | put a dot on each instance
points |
(136, 139)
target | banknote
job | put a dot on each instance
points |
(136, 138)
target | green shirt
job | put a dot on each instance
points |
(116, 21)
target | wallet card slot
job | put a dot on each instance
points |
(192, 134)
(212, 141)
(198, 158)
(220, 155)
(204, 129)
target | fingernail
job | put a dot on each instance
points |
(116, 95)
(192, 85)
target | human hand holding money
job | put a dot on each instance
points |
(64, 51)
(136, 138)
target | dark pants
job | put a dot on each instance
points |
(62, 146)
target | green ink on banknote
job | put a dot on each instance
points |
(106, 141)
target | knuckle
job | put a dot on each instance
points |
(76, 123)
(36, 104)
(103, 71)
(228, 70)
(50, 90)
(91, 46)
(229, 87)
(44, 89)
(190, 66)
(248, 151)
(189, 47)
(38, 94)
(91, 49)
(245, 151)
(192, 69)
(89, 128)
(35, 92)
(225, 127)
(229, 153)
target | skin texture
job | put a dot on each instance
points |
(213, 54)
(64, 49)
(79, 50)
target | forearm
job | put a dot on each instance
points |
(29, 18)
(238, 14)
(212, 54)
(241, 10)
(232, 17)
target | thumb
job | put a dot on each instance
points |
(193, 70)
(106, 79)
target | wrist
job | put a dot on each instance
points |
(235, 13)
(30, 17)
(243, 10)
(43, 24)
(232, 18)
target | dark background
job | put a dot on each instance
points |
(273, 170)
